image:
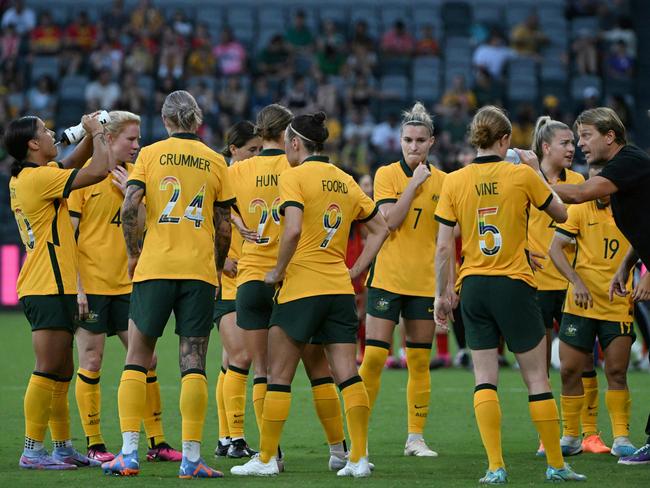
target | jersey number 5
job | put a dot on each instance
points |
(193, 212)
(484, 228)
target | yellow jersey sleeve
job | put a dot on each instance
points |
(539, 193)
(384, 187)
(290, 191)
(52, 181)
(137, 176)
(367, 208)
(445, 212)
(76, 202)
(571, 228)
(225, 194)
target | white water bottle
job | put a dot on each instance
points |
(512, 156)
(72, 135)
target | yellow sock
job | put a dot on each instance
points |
(194, 404)
(132, 397)
(89, 402)
(221, 406)
(488, 418)
(571, 408)
(618, 405)
(543, 412)
(234, 396)
(418, 387)
(38, 405)
(259, 392)
(374, 359)
(277, 403)
(357, 414)
(60, 413)
(153, 425)
(328, 408)
(589, 414)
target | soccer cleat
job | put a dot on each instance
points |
(193, 470)
(164, 452)
(503, 362)
(255, 467)
(594, 444)
(98, 452)
(280, 460)
(496, 477)
(222, 449)
(360, 469)
(563, 474)
(641, 456)
(418, 448)
(622, 447)
(541, 452)
(440, 361)
(123, 465)
(239, 449)
(42, 460)
(462, 359)
(571, 446)
(337, 461)
(70, 455)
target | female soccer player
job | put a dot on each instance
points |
(188, 199)
(490, 200)
(315, 301)
(241, 143)
(588, 313)
(47, 282)
(104, 290)
(255, 182)
(402, 279)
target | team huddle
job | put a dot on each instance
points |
(115, 245)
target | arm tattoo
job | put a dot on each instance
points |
(192, 353)
(130, 227)
(222, 235)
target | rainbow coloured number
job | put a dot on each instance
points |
(332, 219)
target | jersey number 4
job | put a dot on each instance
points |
(193, 212)
(484, 229)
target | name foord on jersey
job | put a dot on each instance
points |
(188, 160)
(335, 186)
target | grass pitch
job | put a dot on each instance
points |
(451, 429)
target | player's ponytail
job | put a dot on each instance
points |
(272, 121)
(311, 129)
(418, 115)
(182, 112)
(19, 132)
(488, 126)
(545, 129)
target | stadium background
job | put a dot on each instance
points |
(362, 62)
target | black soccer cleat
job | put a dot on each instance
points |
(240, 449)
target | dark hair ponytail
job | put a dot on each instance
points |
(238, 135)
(18, 134)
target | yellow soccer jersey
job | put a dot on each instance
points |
(541, 228)
(183, 180)
(405, 263)
(491, 199)
(38, 202)
(229, 285)
(100, 242)
(601, 247)
(331, 201)
(255, 183)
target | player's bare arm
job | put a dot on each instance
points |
(377, 234)
(395, 213)
(595, 187)
(618, 284)
(581, 294)
(131, 224)
(222, 236)
(443, 304)
(288, 244)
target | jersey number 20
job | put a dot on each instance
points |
(484, 228)
(264, 216)
(193, 212)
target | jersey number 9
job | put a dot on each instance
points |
(331, 222)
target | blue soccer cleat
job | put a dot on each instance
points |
(496, 477)
(198, 469)
(123, 465)
(69, 455)
(559, 475)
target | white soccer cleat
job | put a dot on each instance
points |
(255, 467)
(337, 462)
(419, 448)
(360, 469)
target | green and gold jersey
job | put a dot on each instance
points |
(100, 242)
(541, 228)
(331, 201)
(601, 247)
(183, 180)
(255, 183)
(490, 200)
(38, 200)
(405, 263)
